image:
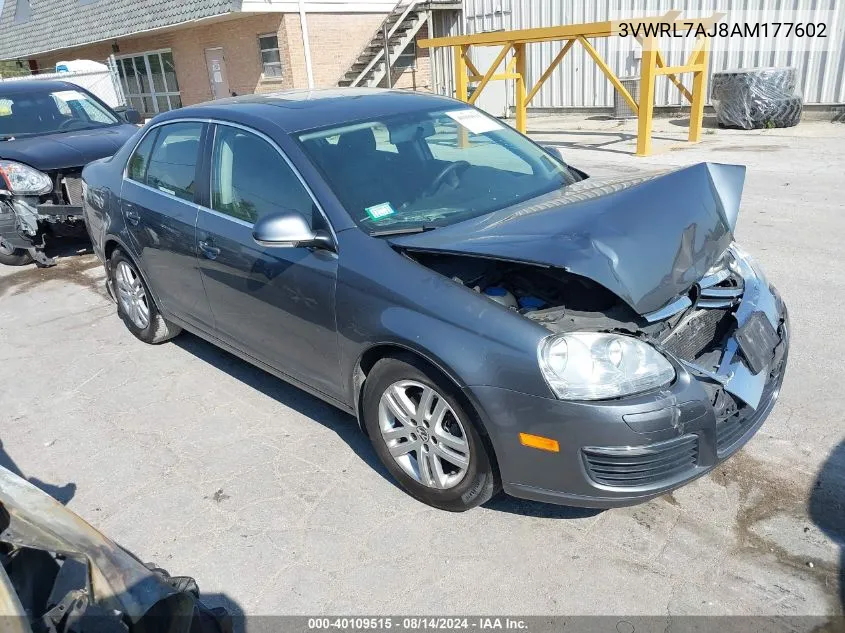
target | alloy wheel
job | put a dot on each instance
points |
(131, 294)
(423, 434)
(6, 248)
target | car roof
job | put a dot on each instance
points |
(298, 110)
(34, 85)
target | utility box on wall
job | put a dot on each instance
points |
(621, 108)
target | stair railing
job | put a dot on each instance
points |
(410, 7)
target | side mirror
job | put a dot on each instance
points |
(288, 229)
(557, 153)
(131, 115)
(554, 150)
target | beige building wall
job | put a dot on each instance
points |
(336, 39)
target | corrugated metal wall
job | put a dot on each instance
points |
(578, 81)
(444, 24)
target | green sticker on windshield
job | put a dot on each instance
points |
(379, 211)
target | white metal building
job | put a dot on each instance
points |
(578, 83)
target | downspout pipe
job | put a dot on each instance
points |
(303, 22)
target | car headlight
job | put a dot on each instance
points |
(595, 366)
(23, 180)
(739, 258)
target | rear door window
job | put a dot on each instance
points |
(172, 163)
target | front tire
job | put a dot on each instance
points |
(135, 305)
(11, 256)
(425, 437)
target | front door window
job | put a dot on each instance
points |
(250, 179)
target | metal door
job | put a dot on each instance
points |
(216, 63)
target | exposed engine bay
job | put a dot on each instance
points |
(564, 302)
(558, 300)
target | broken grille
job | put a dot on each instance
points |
(701, 332)
(73, 190)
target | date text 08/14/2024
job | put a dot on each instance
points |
(420, 623)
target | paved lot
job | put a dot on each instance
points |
(274, 502)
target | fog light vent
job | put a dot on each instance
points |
(630, 467)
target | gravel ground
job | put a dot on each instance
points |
(277, 505)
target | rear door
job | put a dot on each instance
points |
(275, 304)
(158, 203)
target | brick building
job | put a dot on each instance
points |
(169, 53)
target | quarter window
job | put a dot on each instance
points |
(271, 61)
(137, 167)
(173, 162)
(250, 179)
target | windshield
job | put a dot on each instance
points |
(430, 169)
(47, 112)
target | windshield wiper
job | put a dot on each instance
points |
(406, 231)
(6, 137)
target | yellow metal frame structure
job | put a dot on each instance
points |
(653, 65)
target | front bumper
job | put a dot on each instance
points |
(22, 217)
(621, 452)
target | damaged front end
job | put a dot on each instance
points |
(58, 574)
(29, 218)
(727, 342)
(652, 260)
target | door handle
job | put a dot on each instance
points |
(133, 217)
(209, 249)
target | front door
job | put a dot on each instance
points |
(157, 199)
(216, 64)
(275, 304)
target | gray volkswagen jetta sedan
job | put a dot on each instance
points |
(493, 317)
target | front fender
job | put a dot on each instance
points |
(384, 298)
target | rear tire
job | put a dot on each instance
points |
(135, 305)
(450, 467)
(11, 256)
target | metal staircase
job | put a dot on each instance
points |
(402, 25)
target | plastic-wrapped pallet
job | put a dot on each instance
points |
(750, 98)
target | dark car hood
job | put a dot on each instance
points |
(69, 149)
(647, 240)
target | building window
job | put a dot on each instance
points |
(407, 58)
(149, 81)
(271, 61)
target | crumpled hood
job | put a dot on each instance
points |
(67, 150)
(647, 240)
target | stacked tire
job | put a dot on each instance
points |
(753, 98)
